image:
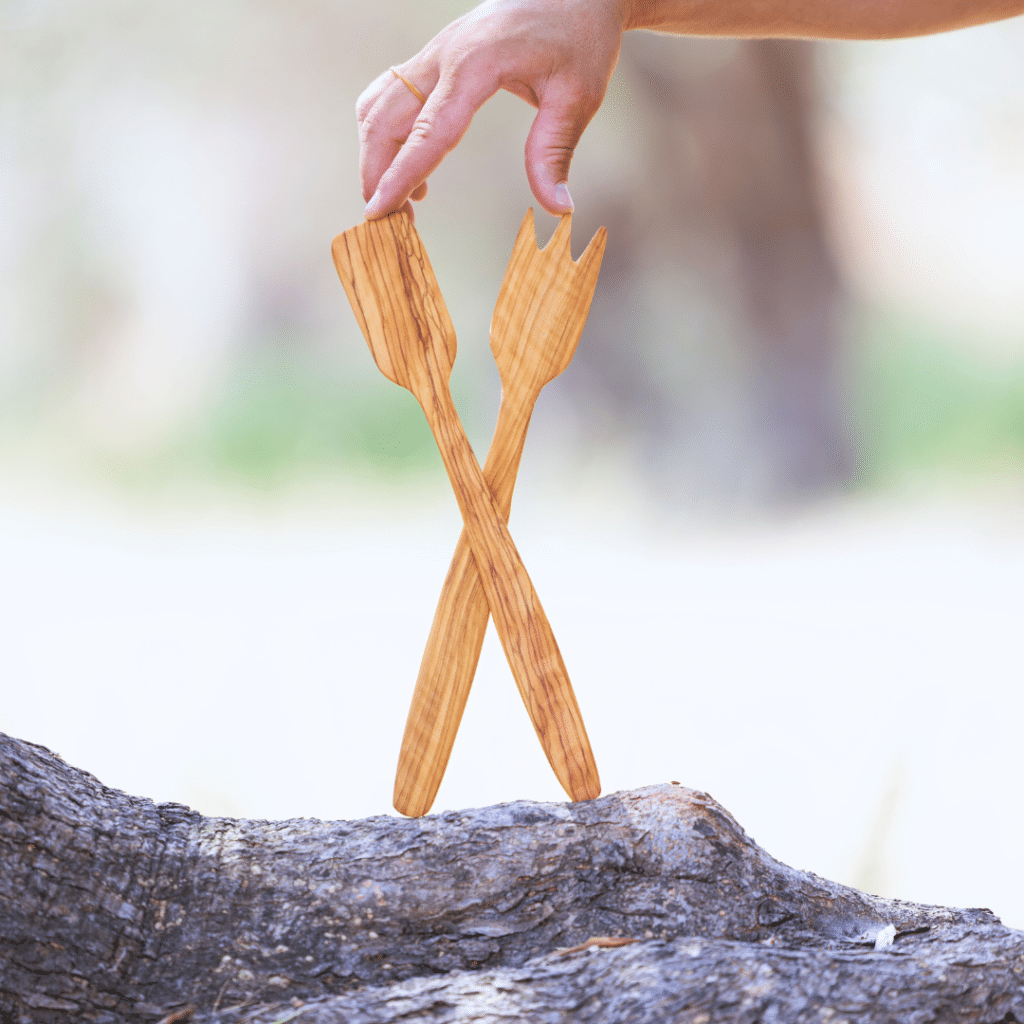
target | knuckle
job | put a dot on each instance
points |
(559, 151)
(363, 107)
(370, 126)
(562, 140)
(466, 67)
(365, 131)
(424, 130)
(457, 64)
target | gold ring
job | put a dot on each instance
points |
(412, 88)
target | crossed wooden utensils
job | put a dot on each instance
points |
(541, 309)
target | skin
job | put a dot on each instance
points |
(559, 56)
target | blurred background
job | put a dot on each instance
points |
(773, 508)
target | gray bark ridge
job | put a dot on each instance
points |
(114, 909)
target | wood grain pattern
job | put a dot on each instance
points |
(399, 306)
(537, 322)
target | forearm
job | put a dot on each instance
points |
(559, 56)
(814, 19)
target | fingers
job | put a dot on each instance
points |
(405, 165)
(386, 111)
(555, 54)
(369, 96)
(560, 121)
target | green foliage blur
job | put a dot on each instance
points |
(928, 407)
(171, 176)
(275, 422)
(921, 407)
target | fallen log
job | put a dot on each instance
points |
(114, 909)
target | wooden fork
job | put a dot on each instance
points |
(541, 309)
(400, 309)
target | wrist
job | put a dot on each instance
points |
(633, 14)
(677, 16)
(629, 13)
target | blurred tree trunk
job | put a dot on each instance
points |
(116, 910)
(732, 207)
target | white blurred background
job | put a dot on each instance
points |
(773, 509)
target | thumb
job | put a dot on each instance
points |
(549, 148)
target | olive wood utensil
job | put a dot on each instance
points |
(537, 322)
(400, 309)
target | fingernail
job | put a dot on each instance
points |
(562, 197)
(372, 207)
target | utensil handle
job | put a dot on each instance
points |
(457, 632)
(519, 618)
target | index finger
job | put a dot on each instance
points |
(369, 96)
(383, 130)
(436, 131)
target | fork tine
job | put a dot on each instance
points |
(526, 240)
(590, 260)
(521, 260)
(558, 244)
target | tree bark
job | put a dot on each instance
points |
(115, 909)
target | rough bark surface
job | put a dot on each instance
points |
(115, 909)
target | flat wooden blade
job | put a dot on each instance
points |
(395, 296)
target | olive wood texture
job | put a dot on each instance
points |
(398, 304)
(537, 322)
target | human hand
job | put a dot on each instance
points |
(558, 55)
